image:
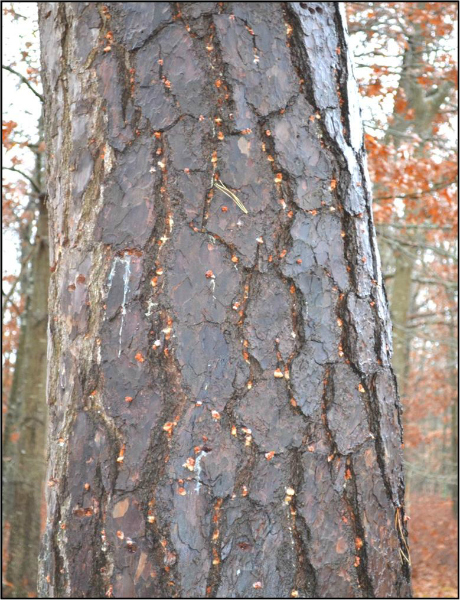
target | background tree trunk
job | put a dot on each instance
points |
(224, 418)
(403, 259)
(453, 377)
(23, 461)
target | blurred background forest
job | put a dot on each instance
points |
(405, 62)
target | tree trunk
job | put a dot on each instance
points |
(453, 380)
(401, 299)
(23, 462)
(424, 106)
(224, 419)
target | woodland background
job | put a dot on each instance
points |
(405, 61)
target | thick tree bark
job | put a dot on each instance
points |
(224, 418)
(23, 459)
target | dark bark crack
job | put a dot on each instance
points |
(361, 561)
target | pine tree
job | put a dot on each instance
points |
(224, 416)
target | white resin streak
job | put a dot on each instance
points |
(197, 469)
(126, 261)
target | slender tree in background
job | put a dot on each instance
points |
(24, 465)
(415, 162)
(408, 70)
(24, 340)
(224, 419)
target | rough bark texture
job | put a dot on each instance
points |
(24, 440)
(224, 417)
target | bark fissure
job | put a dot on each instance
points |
(305, 577)
(361, 560)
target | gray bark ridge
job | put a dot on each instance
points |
(224, 417)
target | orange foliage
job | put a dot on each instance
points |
(7, 128)
(421, 172)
